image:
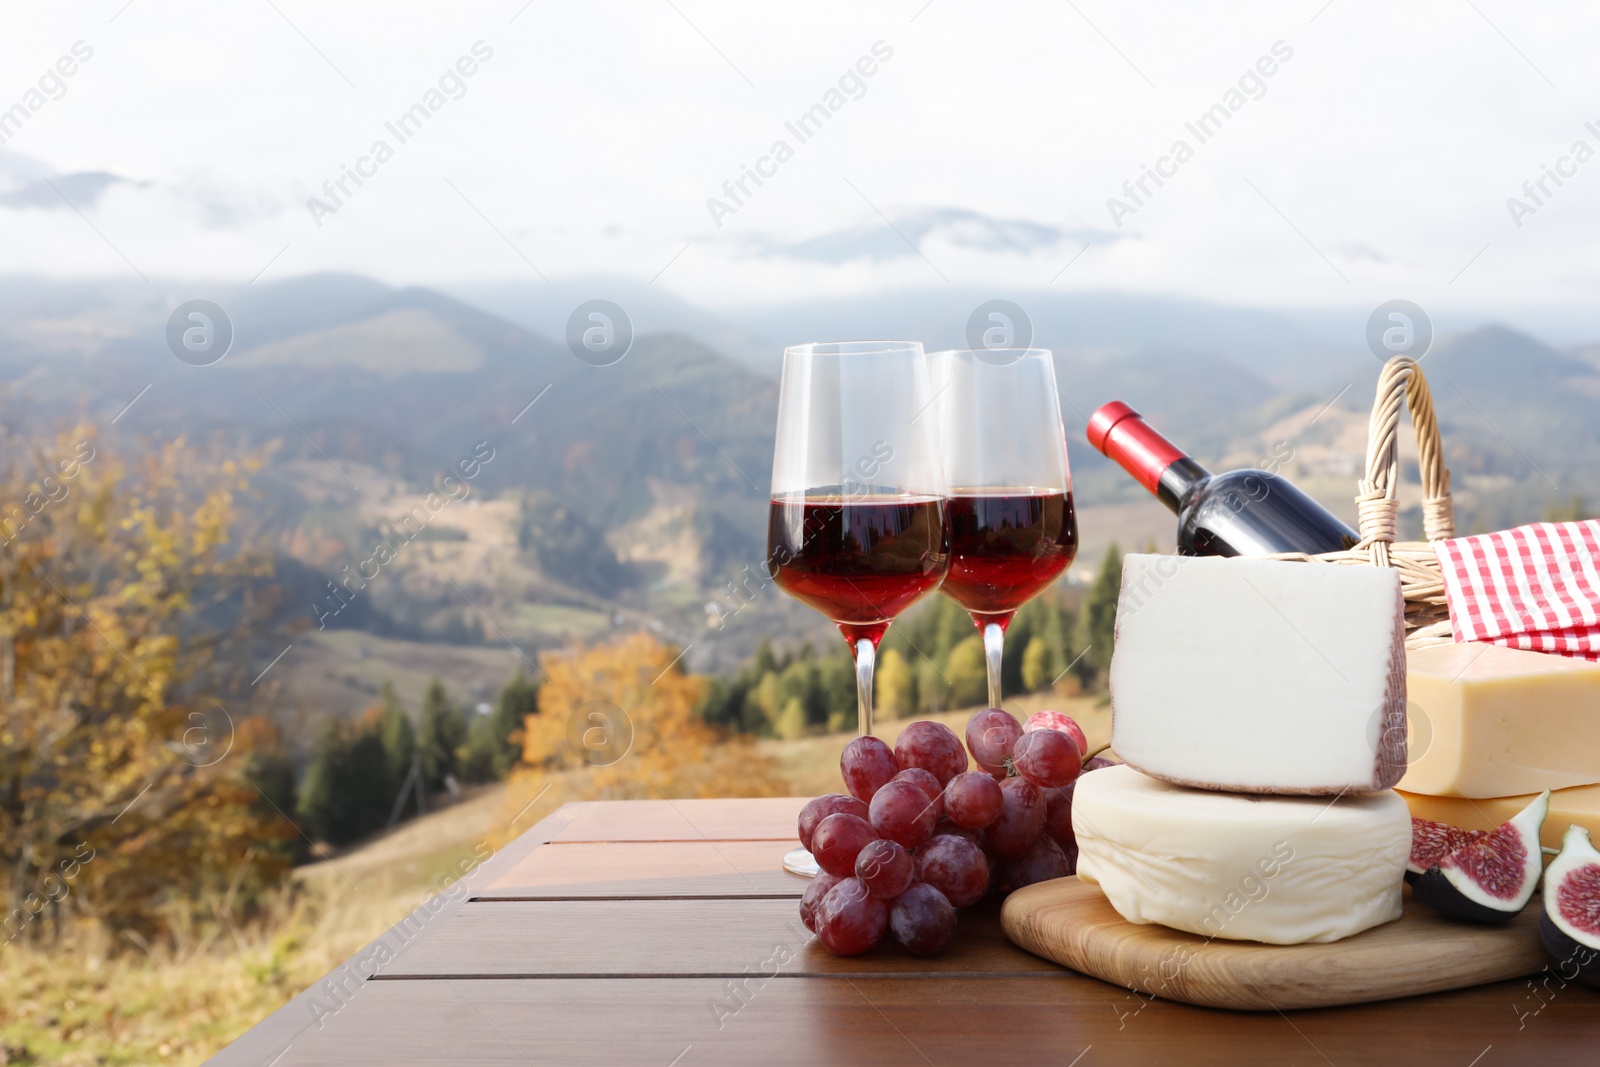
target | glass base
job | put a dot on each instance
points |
(799, 861)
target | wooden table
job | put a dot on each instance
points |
(664, 933)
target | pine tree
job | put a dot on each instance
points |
(1057, 628)
(477, 760)
(1097, 625)
(271, 774)
(398, 736)
(443, 730)
(518, 700)
(765, 662)
(837, 675)
(345, 795)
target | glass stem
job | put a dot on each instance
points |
(994, 639)
(866, 654)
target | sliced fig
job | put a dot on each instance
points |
(1570, 924)
(1432, 842)
(1490, 879)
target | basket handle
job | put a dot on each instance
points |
(1401, 384)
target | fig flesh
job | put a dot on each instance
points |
(1432, 842)
(1570, 923)
(1491, 878)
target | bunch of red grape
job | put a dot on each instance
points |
(919, 835)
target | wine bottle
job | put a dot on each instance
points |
(1240, 513)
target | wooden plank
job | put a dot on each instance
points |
(679, 937)
(918, 1022)
(649, 820)
(1073, 923)
(772, 818)
(258, 1045)
(649, 869)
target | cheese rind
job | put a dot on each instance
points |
(1568, 807)
(1489, 721)
(1282, 870)
(1260, 676)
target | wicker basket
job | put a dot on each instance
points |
(1427, 612)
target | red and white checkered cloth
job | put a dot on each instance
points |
(1535, 587)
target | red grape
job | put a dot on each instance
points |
(1044, 861)
(822, 807)
(886, 869)
(972, 800)
(1098, 762)
(1021, 820)
(922, 779)
(991, 733)
(932, 746)
(838, 840)
(1048, 758)
(902, 812)
(1055, 720)
(945, 826)
(866, 764)
(1058, 814)
(813, 896)
(922, 920)
(955, 867)
(849, 919)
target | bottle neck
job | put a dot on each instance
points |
(1180, 481)
(1155, 463)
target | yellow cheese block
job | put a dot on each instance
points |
(1567, 806)
(1487, 721)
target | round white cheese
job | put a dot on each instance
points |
(1244, 867)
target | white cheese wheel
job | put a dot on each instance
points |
(1259, 675)
(1244, 867)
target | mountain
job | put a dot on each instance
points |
(545, 307)
(632, 495)
(1266, 343)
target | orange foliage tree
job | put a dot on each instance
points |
(618, 721)
(122, 606)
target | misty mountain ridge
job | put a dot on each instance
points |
(634, 491)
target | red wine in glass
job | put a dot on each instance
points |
(1006, 547)
(856, 528)
(1012, 526)
(859, 561)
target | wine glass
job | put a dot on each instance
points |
(857, 524)
(1003, 448)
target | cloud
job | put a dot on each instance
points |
(902, 236)
(82, 190)
(16, 168)
(220, 206)
(26, 183)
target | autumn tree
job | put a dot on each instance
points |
(896, 686)
(968, 673)
(126, 608)
(619, 721)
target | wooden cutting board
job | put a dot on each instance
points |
(1072, 923)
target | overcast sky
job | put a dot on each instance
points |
(1375, 160)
